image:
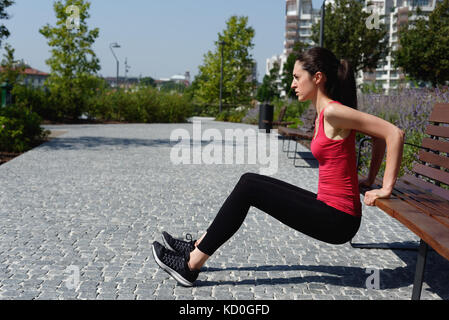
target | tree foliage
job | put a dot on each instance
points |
(4, 32)
(73, 63)
(424, 46)
(269, 88)
(237, 66)
(11, 68)
(347, 35)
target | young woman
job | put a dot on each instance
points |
(333, 214)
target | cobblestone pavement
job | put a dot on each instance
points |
(94, 199)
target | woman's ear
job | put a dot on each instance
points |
(318, 78)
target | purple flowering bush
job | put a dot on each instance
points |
(409, 110)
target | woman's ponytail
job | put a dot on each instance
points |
(348, 89)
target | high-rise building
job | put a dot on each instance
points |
(300, 16)
(396, 15)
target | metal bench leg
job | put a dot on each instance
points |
(288, 152)
(419, 273)
(296, 151)
(283, 142)
(288, 146)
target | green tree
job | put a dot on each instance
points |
(4, 32)
(348, 36)
(287, 71)
(73, 63)
(237, 66)
(148, 81)
(269, 88)
(424, 46)
(11, 68)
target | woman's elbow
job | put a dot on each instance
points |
(401, 135)
(396, 136)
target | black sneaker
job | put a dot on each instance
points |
(178, 245)
(175, 264)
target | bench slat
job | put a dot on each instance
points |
(436, 145)
(440, 113)
(427, 228)
(291, 132)
(421, 198)
(434, 159)
(428, 203)
(435, 174)
(438, 131)
(427, 186)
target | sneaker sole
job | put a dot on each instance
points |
(170, 271)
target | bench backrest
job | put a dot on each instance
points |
(282, 113)
(433, 157)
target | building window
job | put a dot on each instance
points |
(291, 9)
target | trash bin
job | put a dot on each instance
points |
(6, 94)
(266, 113)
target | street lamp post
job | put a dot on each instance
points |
(115, 45)
(323, 14)
(222, 43)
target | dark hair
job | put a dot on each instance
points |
(340, 83)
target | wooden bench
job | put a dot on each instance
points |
(419, 201)
(305, 133)
(280, 121)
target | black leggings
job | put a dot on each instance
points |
(291, 205)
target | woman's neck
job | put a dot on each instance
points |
(320, 100)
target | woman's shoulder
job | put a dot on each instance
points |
(340, 116)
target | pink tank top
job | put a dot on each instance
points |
(338, 180)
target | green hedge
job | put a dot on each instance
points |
(20, 129)
(143, 104)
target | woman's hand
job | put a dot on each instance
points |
(372, 195)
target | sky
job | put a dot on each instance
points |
(159, 38)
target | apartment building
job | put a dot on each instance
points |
(300, 16)
(396, 15)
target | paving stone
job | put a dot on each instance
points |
(96, 198)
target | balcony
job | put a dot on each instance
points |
(293, 18)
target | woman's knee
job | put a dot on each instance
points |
(249, 176)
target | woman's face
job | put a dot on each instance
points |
(302, 83)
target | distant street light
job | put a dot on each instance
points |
(222, 44)
(115, 45)
(127, 67)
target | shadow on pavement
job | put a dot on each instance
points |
(95, 142)
(436, 275)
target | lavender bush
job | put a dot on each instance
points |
(409, 110)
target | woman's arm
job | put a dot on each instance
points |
(377, 155)
(347, 118)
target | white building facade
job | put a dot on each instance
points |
(300, 16)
